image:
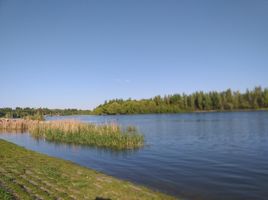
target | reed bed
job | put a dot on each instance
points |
(16, 125)
(75, 132)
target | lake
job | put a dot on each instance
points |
(222, 156)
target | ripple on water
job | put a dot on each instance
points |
(196, 156)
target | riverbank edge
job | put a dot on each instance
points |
(167, 113)
(26, 174)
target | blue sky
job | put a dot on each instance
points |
(66, 53)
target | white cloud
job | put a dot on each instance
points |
(122, 81)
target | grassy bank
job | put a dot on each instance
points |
(75, 132)
(25, 175)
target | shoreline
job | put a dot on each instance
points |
(182, 112)
(26, 174)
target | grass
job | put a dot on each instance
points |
(4, 195)
(27, 175)
(75, 132)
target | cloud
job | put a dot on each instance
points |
(122, 81)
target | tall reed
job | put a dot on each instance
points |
(75, 132)
(19, 125)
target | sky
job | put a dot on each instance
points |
(79, 53)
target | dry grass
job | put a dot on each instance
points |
(19, 125)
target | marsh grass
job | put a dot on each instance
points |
(75, 132)
(16, 125)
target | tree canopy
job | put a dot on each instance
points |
(197, 101)
(37, 113)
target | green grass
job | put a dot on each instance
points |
(29, 175)
(4, 195)
(75, 132)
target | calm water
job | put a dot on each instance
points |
(212, 156)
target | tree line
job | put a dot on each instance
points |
(38, 113)
(197, 101)
(256, 98)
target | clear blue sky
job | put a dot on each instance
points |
(60, 53)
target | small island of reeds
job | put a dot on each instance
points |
(75, 132)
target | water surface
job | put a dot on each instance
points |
(196, 156)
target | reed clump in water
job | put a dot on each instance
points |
(75, 132)
(18, 125)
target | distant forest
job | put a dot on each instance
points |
(38, 113)
(199, 101)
